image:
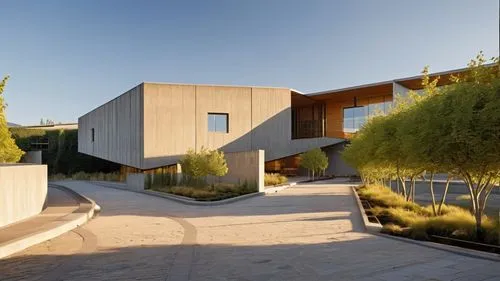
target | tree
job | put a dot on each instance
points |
(216, 163)
(198, 165)
(470, 109)
(9, 152)
(453, 129)
(315, 160)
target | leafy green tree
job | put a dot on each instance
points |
(198, 165)
(216, 163)
(315, 160)
(9, 152)
(470, 109)
(194, 163)
(453, 129)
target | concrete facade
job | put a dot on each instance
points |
(154, 124)
(135, 181)
(118, 130)
(245, 166)
(23, 191)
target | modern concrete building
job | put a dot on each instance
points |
(152, 125)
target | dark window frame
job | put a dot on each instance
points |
(354, 129)
(92, 135)
(215, 114)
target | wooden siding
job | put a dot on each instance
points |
(335, 112)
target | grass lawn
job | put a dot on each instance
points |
(412, 220)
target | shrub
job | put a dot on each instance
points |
(392, 229)
(58, 177)
(197, 165)
(399, 216)
(382, 196)
(412, 220)
(95, 176)
(274, 179)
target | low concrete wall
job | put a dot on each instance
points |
(246, 165)
(33, 157)
(135, 181)
(23, 191)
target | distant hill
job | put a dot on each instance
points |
(12, 124)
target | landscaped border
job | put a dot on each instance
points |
(375, 228)
(192, 201)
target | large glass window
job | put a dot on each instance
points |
(218, 122)
(354, 118)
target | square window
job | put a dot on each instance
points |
(218, 122)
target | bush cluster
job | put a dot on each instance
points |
(115, 176)
(274, 179)
(62, 156)
(409, 219)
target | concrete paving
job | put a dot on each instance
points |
(308, 232)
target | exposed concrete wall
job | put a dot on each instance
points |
(248, 165)
(155, 124)
(135, 181)
(118, 130)
(175, 120)
(23, 190)
(336, 165)
(271, 121)
(33, 157)
(169, 122)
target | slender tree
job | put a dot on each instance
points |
(315, 160)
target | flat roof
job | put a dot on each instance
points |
(411, 82)
(215, 85)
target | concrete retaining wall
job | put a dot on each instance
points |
(135, 181)
(33, 157)
(247, 165)
(23, 191)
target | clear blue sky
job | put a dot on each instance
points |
(67, 57)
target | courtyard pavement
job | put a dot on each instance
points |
(308, 232)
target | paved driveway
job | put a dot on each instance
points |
(310, 232)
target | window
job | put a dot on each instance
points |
(354, 118)
(92, 134)
(218, 122)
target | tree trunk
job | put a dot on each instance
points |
(444, 194)
(413, 189)
(403, 186)
(431, 185)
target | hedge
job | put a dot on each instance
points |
(62, 156)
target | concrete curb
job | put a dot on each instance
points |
(182, 199)
(370, 227)
(374, 228)
(55, 228)
(277, 188)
